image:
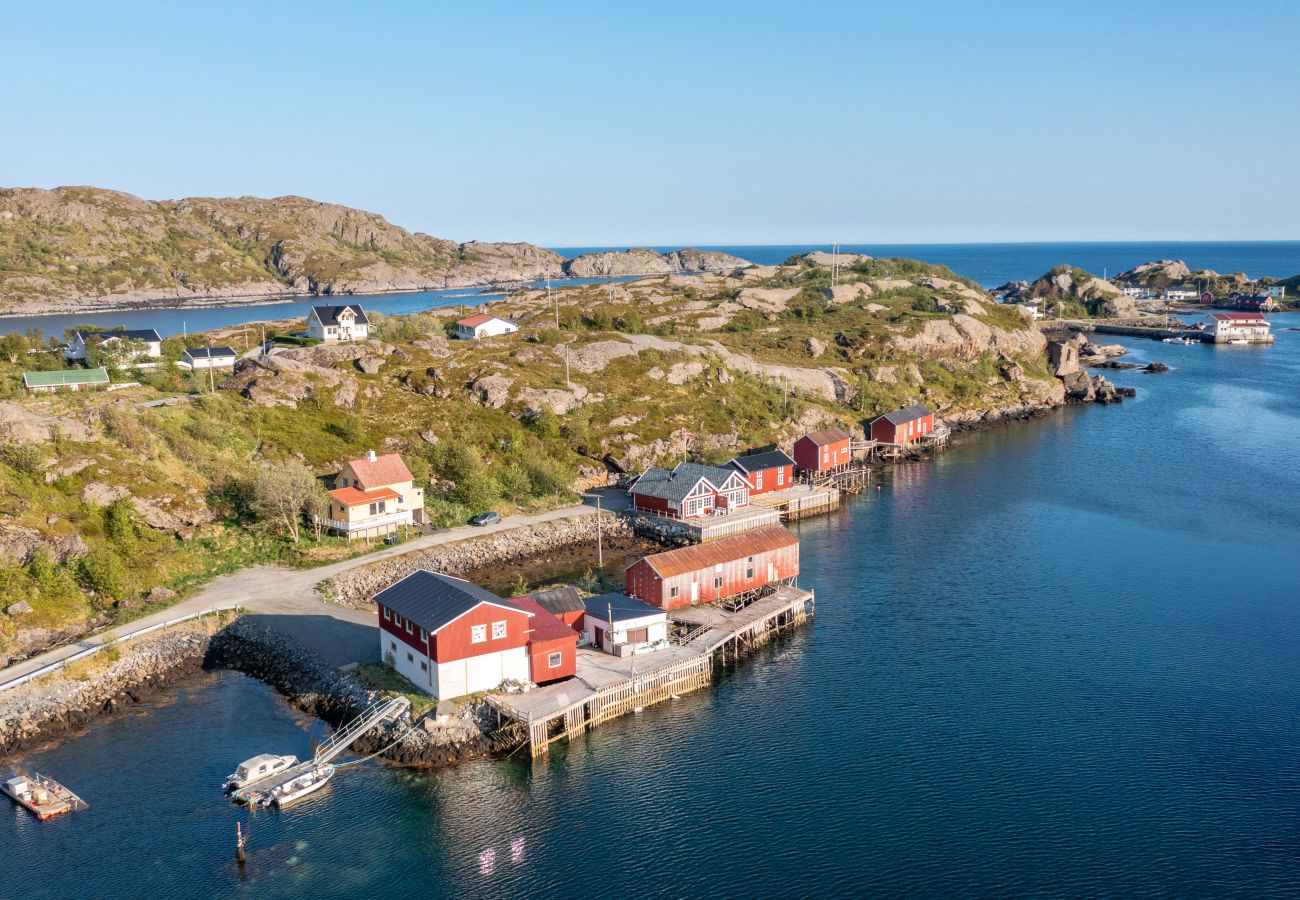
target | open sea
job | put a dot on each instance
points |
(988, 264)
(1060, 660)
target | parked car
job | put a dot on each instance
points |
(487, 518)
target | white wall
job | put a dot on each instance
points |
(408, 669)
(480, 673)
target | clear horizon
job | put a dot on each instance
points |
(577, 125)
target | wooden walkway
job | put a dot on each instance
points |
(607, 687)
(800, 500)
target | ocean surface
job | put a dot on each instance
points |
(988, 264)
(1060, 660)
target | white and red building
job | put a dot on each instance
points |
(903, 426)
(372, 497)
(1250, 327)
(827, 450)
(769, 470)
(483, 325)
(619, 624)
(690, 491)
(450, 637)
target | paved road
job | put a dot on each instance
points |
(276, 595)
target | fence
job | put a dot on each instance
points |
(91, 651)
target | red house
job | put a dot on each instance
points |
(563, 603)
(902, 426)
(823, 451)
(770, 470)
(450, 637)
(716, 570)
(690, 491)
(552, 645)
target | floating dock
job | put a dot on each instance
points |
(43, 797)
(607, 686)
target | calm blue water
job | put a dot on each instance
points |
(1063, 659)
(988, 264)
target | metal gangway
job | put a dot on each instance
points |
(375, 714)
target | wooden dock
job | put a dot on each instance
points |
(607, 687)
(800, 500)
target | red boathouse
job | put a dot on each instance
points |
(823, 451)
(716, 570)
(770, 470)
(552, 645)
(902, 426)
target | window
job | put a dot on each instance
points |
(377, 507)
(388, 614)
(717, 581)
(780, 475)
(392, 645)
(424, 666)
(409, 656)
(758, 480)
(553, 661)
(478, 634)
(749, 571)
(638, 635)
(673, 592)
(420, 632)
(410, 627)
(498, 630)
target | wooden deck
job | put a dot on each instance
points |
(800, 500)
(606, 686)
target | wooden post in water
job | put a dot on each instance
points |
(241, 856)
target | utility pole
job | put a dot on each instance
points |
(212, 387)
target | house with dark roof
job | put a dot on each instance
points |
(374, 496)
(827, 450)
(335, 324)
(483, 325)
(690, 491)
(714, 570)
(903, 426)
(769, 470)
(196, 358)
(130, 344)
(562, 602)
(619, 624)
(450, 637)
(552, 645)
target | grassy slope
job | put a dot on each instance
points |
(184, 453)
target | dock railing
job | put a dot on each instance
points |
(112, 640)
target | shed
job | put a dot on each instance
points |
(716, 570)
(552, 645)
(65, 380)
(902, 426)
(619, 624)
(823, 451)
(208, 358)
(562, 602)
(483, 325)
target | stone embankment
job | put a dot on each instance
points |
(513, 546)
(101, 684)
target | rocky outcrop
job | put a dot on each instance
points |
(356, 587)
(1063, 358)
(1100, 297)
(966, 337)
(99, 249)
(641, 261)
(1158, 273)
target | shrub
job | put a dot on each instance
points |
(24, 458)
(103, 572)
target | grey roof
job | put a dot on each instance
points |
(767, 459)
(131, 334)
(677, 484)
(209, 352)
(329, 315)
(622, 606)
(558, 600)
(431, 599)
(906, 414)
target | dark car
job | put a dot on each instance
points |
(487, 518)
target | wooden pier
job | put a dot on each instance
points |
(607, 687)
(800, 500)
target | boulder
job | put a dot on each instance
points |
(493, 391)
(1155, 368)
(1062, 358)
(815, 347)
(370, 365)
(17, 609)
(1160, 272)
(1079, 387)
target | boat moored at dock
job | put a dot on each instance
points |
(291, 792)
(256, 769)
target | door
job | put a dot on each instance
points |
(695, 592)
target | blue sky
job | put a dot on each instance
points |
(666, 123)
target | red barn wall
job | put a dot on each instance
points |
(453, 641)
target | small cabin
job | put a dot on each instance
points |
(483, 325)
(197, 358)
(770, 470)
(144, 343)
(823, 451)
(552, 645)
(619, 624)
(338, 324)
(902, 426)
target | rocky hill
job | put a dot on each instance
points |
(1158, 274)
(1080, 291)
(83, 248)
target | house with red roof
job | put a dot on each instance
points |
(1238, 327)
(483, 325)
(374, 496)
(827, 450)
(552, 645)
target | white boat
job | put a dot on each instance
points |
(293, 791)
(259, 768)
(1238, 341)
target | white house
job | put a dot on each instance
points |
(1276, 291)
(197, 358)
(1243, 327)
(149, 344)
(483, 325)
(619, 624)
(334, 324)
(1174, 293)
(1137, 291)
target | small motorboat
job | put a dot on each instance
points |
(259, 768)
(1238, 341)
(293, 791)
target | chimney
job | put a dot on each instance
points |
(370, 456)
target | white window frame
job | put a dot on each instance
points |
(478, 634)
(388, 614)
(499, 630)
(554, 660)
(780, 475)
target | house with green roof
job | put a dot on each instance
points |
(65, 380)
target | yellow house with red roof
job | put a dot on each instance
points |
(374, 496)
